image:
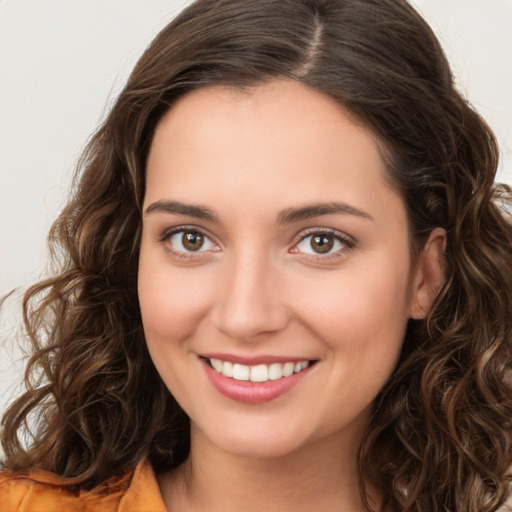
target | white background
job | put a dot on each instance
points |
(63, 61)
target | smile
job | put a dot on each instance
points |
(257, 373)
(257, 383)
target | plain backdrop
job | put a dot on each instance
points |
(62, 62)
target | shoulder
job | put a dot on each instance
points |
(40, 491)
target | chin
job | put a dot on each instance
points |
(256, 443)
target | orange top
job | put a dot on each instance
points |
(41, 491)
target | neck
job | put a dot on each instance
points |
(316, 477)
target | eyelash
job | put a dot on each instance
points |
(348, 242)
(167, 235)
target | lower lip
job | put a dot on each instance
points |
(252, 392)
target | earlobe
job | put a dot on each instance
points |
(429, 275)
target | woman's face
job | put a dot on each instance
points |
(275, 277)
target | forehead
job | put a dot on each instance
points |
(282, 138)
(271, 110)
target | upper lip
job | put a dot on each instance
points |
(254, 360)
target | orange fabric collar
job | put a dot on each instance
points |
(41, 491)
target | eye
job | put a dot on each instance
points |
(327, 242)
(189, 240)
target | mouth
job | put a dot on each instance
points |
(257, 383)
(257, 373)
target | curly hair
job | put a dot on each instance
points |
(440, 437)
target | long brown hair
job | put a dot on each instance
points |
(441, 433)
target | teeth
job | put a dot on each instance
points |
(240, 372)
(258, 373)
(217, 365)
(288, 369)
(227, 369)
(275, 371)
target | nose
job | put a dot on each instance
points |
(249, 305)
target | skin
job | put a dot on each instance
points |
(257, 287)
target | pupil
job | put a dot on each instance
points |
(192, 241)
(322, 243)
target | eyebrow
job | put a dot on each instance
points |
(287, 216)
(175, 207)
(314, 210)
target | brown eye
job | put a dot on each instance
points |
(322, 243)
(189, 241)
(192, 241)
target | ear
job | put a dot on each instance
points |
(429, 275)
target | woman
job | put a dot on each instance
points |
(285, 282)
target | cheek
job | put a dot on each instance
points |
(360, 339)
(364, 306)
(361, 319)
(171, 302)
